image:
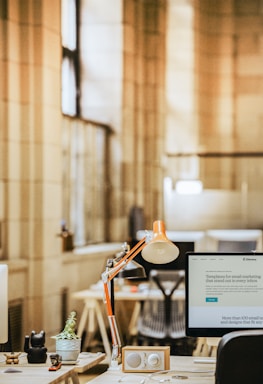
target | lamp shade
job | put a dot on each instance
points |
(160, 250)
(133, 270)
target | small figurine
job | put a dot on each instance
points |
(12, 358)
(37, 353)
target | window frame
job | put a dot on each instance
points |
(73, 56)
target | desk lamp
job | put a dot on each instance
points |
(158, 250)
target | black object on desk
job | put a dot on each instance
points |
(176, 265)
(37, 352)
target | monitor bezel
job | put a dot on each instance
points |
(209, 332)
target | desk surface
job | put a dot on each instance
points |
(93, 299)
(38, 373)
(184, 366)
(125, 294)
(87, 360)
(33, 374)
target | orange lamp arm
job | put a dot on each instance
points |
(107, 276)
(126, 259)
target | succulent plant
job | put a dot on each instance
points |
(69, 330)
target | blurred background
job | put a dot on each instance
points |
(115, 114)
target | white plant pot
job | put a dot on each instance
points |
(68, 349)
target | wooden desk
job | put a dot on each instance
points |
(92, 310)
(87, 360)
(183, 365)
(39, 373)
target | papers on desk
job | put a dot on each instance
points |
(165, 376)
(143, 287)
(205, 360)
(170, 375)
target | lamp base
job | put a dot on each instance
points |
(114, 366)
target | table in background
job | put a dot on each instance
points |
(92, 310)
(206, 346)
(184, 365)
(39, 373)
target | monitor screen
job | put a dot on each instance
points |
(3, 303)
(224, 293)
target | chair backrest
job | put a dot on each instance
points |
(163, 317)
(240, 358)
(237, 245)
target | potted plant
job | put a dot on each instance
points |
(68, 343)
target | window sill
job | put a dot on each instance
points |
(97, 250)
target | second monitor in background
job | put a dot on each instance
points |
(186, 241)
(177, 264)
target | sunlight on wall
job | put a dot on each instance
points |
(180, 78)
(209, 209)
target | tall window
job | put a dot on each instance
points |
(70, 54)
(85, 186)
(85, 163)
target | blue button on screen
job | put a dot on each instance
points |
(211, 299)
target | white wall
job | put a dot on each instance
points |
(210, 209)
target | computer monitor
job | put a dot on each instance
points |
(177, 264)
(3, 303)
(186, 241)
(224, 293)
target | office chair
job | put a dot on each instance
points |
(237, 245)
(240, 358)
(162, 319)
